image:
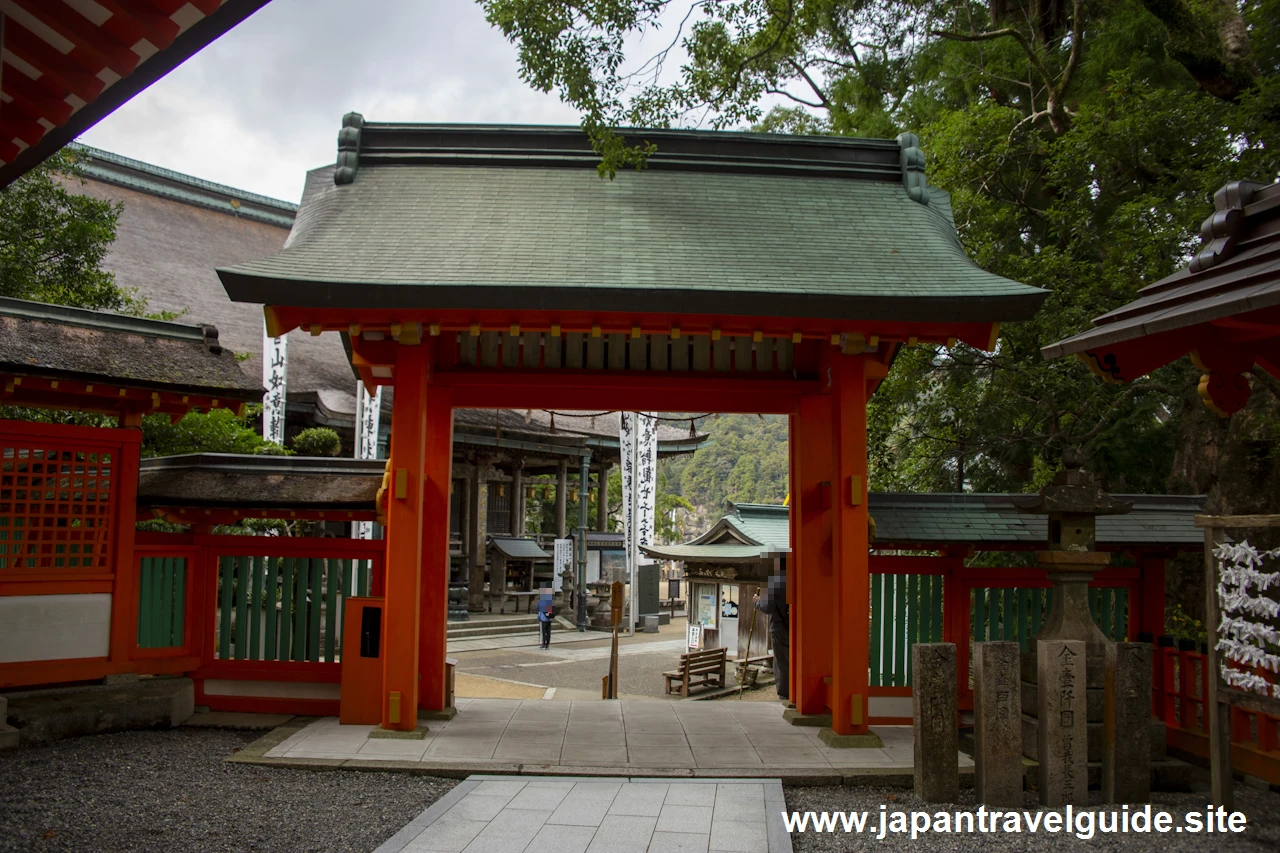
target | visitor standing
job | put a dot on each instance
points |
(774, 605)
(545, 612)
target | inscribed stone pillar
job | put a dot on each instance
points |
(602, 498)
(562, 499)
(1062, 731)
(477, 532)
(1126, 727)
(997, 724)
(935, 721)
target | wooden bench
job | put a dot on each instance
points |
(698, 669)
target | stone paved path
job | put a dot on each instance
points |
(496, 814)
(619, 738)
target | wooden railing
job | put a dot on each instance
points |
(928, 599)
(254, 609)
(1178, 699)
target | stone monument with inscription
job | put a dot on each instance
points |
(1126, 755)
(997, 724)
(1062, 733)
(935, 722)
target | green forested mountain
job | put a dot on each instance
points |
(745, 460)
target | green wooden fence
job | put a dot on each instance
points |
(905, 609)
(285, 608)
(1015, 614)
(162, 602)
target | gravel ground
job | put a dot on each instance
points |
(1261, 835)
(170, 792)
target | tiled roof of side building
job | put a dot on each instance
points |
(769, 224)
(58, 342)
(112, 168)
(935, 519)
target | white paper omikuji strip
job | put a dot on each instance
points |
(1243, 629)
(1241, 594)
(1247, 681)
(1249, 655)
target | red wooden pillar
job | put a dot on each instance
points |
(810, 585)
(852, 623)
(435, 548)
(404, 540)
(124, 589)
(1152, 615)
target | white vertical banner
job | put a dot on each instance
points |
(368, 420)
(562, 559)
(638, 446)
(627, 466)
(275, 364)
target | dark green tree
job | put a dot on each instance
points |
(52, 241)
(1081, 143)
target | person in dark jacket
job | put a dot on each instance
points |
(774, 604)
(545, 612)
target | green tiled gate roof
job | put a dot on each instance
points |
(440, 217)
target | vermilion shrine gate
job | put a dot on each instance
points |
(471, 267)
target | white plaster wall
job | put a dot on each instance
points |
(54, 627)
(272, 689)
(889, 706)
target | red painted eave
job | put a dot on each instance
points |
(66, 66)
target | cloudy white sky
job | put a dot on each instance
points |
(263, 104)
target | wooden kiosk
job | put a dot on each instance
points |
(490, 267)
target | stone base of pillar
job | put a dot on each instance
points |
(870, 740)
(795, 718)
(444, 714)
(379, 733)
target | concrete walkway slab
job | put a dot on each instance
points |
(494, 814)
(594, 738)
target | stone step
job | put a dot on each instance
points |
(473, 631)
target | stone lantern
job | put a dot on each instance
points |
(1073, 502)
(1064, 670)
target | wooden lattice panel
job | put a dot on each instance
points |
(57, 505)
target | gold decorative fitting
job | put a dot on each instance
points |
(502, 490)
(595, 331)
(796, 337)
(475, 330)
(757, 336)
(555, 330)
(435, 329)
(873, 341)
(951, 342)
(53, 384)
(675, 333)
(185, 398)
(353, 330)
(88, 389)
(715, 334)
(515, 329)
(635, 332)
(395, 330)
(911, 340)
(123, 392)
(316, 329)
(835, 339)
